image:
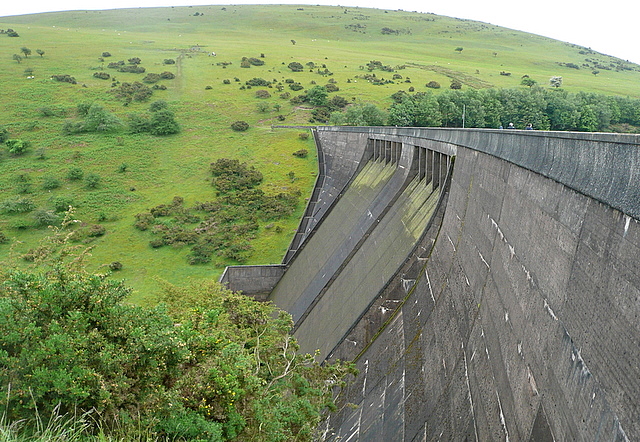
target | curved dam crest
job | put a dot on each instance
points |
(486, 282)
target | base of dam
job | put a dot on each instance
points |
(509, 310)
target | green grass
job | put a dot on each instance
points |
(159, 168)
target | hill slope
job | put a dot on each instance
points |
(141, 171)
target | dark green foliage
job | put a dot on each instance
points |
(163, 122)
(360, 115)
(115, 64)
(16, 146)
(138, 123)
(92, 180)
(455, 84)
(102, 75)
(258, 82)
(75, 174)
(296, 86)
(61, 204)
(134, 60)
(169, 61)
(135, 91)
(12, 33)
(317, 96)
(295, 66)
(4, 134)
(45, 218)
(232, 175)
(50, 183)
(263, 93)
(115, 266)
(51, 111)
(252, 61)
(17, 205)
(65, 78)
(96, 119)
(166, 75)
(4, 239)
(151, 78)
(240, 126)
(433, 85)
(106, 54)
(302, 153)
(132, 69)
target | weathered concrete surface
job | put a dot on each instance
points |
(513, 312)
(523, 322)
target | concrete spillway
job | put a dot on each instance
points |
(502, 303)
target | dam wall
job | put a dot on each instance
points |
(519, 319)
(485, 282)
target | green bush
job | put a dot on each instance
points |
(92, 180)
(17, 205)
(151, 78)
(75, 174)
(44, 218)
(17, 147)
(102, 75)
(240, 126)
(50, 183)
(162, 122)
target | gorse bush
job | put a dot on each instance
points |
(95, 119)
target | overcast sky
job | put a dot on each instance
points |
(610, 27)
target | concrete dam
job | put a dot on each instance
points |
(485, 282)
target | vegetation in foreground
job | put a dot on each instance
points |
(204, 364)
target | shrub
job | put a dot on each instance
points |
(134, 60)
(92, 180)
(226, 81)
(135, 91)
(138, 123)
(17, 205)
(151, 78)
(115, 64)
(303, 135)
(257, 82)
(96, 230)
(64, 78)
(102, 75)
(4, 134)
(295, 66)
(433, 85)
(16, 146)
(296, 86)
(302, 153)
(158, 105)
(75, 174)
(115, 266)
(263, 93)
(166, 75)
(106, 54)
(44, 218)
(169, 61)
(132, 69)
(163, 122)
(455, 84)
(61, 204)
(50, 183)
(240, 126)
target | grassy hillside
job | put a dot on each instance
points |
(141, 171)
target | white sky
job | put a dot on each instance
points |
(610, 27)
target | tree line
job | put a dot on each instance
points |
(545, 109)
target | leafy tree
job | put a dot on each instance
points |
(527, 81)
(17, 58)
(359, 115)
(459, 49)
(317, 96)
(26, 51)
